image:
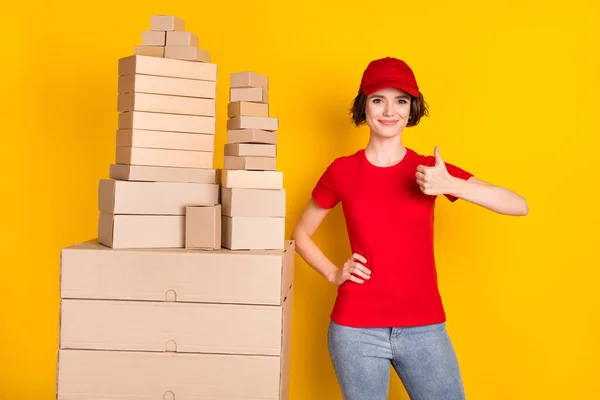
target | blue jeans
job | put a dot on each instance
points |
(422, 356)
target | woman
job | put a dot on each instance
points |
(388, 309)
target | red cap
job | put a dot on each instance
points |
(389, 72)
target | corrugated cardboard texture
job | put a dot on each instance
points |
(145, 173)
(250, 163)
(252, 202)
(263, 123)
(111, 375)
(169, 326)
(248, 79)
(167, 122)
(250, 149)
(240, 233)
(141, 231)
(246, 108)
(251, 136)
(168, 86)
(153, 198)
(189, 53)
(92, 271)
(167, 67)
(165, 140)
(160, 103)
(256, 94)
(153, 38)
(164, 158)
(250, 179)
(179, 38)
(149, 51)
(203, 227)
(166, 23)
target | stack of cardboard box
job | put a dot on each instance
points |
(252, 195)
(141, 316)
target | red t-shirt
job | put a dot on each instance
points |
(389, 222)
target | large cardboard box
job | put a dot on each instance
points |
(92, 271)
(167, 67)
(141, 231)
(168, 86)
(145, 173)
(246, 108)
(165, 140)
(251, 136)
(175, 326)
(189, 53)
(180, 38)
(250, 179)
(203, 227)
(250, 163)
(245, 122)
(166, 23)
(167, 122)
(153, 198)
(250, 149)
(255, 94)
(164, 157)
(252, 202)
(242, 233)
(160, 103)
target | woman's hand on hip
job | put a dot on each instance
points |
(353, 270)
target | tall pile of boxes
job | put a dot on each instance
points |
(152, 309)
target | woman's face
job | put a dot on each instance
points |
(387, 111)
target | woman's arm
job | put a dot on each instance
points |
(495, 198)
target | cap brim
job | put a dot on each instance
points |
(374, 87)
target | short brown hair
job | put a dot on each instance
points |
(418, 109)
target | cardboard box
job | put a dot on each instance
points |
(160, 103)
(250, 163)
(250, 179)
(92, 271)
(179, 38)
(153, 198)
(250, 149)
(165, 140)
(253, 233)
(252, 202)
(149, 51)
(166, 23)
(259, 95)
(153, 38)
(246, 108)
(141, 231)
(167, 67)
(164, 158)
(203, 227)
(262, 123)
(167, 122)
(169, 86)
(189, 53)
(143, 173)
(172, 326)
(251, 136)
(248, 79)
(103, 375)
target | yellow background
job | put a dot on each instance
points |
(513, 90)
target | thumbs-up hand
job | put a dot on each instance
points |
(434, 180)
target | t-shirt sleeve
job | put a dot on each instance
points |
(458, 173)
(325, 193)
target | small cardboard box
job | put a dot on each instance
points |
(252, 202)
(248, 79)
(189, 53)
(262, 123)
(149, 51)
(153, 198)
(92, 271)
(246, 108)
(250, 179)
(254, 94)
(165, 140)
(180, 38)
(250, 163)
(168, 86)
(203, 227)
(250, 149)
(161, 22)
(153, 38)
(251, 136)
(159, 103)
(167, 67)
(141, 231)
(253, 233)
(143, 173)
(167, 122)
(164, 157)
